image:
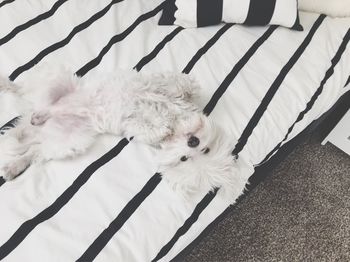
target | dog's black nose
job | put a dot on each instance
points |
(184, 158)
(193, 141)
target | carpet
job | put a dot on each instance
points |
(301, 212)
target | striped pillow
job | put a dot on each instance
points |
(199, 13)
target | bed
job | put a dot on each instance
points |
(263, 85)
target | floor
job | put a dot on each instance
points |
(299, 213)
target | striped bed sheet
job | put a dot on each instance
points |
(264, 85)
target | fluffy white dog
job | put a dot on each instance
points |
(192, 171)
(157, 109)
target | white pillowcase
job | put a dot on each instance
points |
(334, 8)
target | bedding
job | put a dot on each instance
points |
(193, 13)
(334, 8)
(263, 85)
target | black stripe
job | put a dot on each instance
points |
(297, 26)
(101, 241)
(236, 69)
(318, 92)
(9, 124)
(63, 42)
(5, 2)
(209, 12)
(23, 231)
(274, 87)
(2, 181)
(145, 60)
(168, 14)
(188, 223)
(117, 38)
(32, 22)
(347, 82)
(205, 48)
(260, 12)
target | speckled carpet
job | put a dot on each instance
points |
(299, 213)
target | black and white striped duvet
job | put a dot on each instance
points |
(264, 85)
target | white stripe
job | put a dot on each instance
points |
(235, 11)
(26, 45)
(279, 117)
(186, 15)
(285, 13)
(19, 12)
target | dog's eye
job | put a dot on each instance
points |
(206, 150)
(184, 158)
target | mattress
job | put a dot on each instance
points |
(263, 85)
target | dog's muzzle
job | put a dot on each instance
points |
(193, 141)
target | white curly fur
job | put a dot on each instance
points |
(208, 166)
(157, 109)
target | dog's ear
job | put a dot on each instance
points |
(168, 140)
(187, 87)
(179, 85)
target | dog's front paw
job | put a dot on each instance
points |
(39, 118)
(13, 169)
(8, 172)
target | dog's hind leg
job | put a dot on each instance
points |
(18, 149)
(39, 118)
(59, 88)
(59, 138)
(18, 165)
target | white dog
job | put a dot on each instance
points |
(156, 109)
(192, 171)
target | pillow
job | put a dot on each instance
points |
(335, 8)
(199, 13)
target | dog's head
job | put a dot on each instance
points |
(192, 137)
(198, 157)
